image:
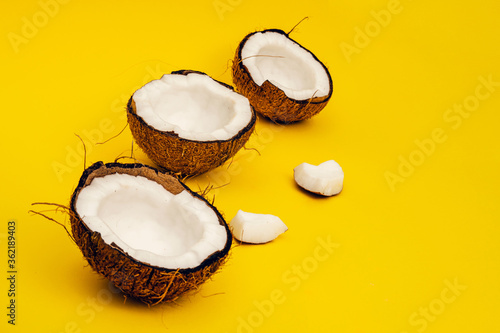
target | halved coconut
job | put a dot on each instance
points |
(146, 231)
(283, 80)
(188, 122)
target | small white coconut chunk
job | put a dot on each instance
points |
(273, 57)
(326, 179)
(256, 228)
(194, 106)
(149, 223)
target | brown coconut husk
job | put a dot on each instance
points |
(149, 284)
(269, 100)
(183, 156)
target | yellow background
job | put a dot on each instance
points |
(400, 243)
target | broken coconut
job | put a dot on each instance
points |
(283, 80)
(188, 122)
(146, 232)
(256, 228)
(325, 179)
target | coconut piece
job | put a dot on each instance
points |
(189, 123)
(325, 179)
(283, 80)
(256, 228)
(146, 232)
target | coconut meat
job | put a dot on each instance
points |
(149, 223)
(194, 106)
(274, 57)
(256, 228)
(326, 179)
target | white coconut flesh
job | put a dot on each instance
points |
(149, 223)
(256, 228)
(274, 57)
(326, 179)
(194, 106)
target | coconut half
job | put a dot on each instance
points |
(326, 179)
(146, 231)
(188, 122)
(283, 80)
(256, 228)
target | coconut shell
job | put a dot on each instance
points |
(269, 100)
(183, 156)
(150, 284)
